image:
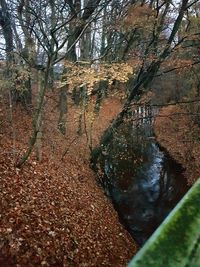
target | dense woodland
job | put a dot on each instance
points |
(70, 73)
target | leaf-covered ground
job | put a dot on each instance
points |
(53, 213)
(179, 135)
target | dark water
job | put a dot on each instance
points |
(143, 182)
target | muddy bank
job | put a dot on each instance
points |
(179, 136)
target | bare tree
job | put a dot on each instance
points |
(52, 37)
(147, 71)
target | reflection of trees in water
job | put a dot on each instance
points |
(164, 188)
(126, 152)
(130, 162)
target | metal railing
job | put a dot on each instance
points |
(176, 242)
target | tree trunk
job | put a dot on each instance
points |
(38, 142)
(5, 22)
(37, 116)
(102, 91)
(63, 110)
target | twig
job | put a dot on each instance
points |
(68, 148)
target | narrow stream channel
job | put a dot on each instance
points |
(143, 182)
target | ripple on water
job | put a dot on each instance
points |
(143, 182)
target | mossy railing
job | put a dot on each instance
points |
(176, 242)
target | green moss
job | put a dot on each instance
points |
(176, 242)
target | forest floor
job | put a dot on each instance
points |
(177, 133)
(53, 212)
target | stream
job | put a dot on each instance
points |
(143, 182)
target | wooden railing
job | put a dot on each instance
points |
(143, 114)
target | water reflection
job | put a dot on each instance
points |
(142, 181)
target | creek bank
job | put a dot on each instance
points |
(53, 213)
(179, 136)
